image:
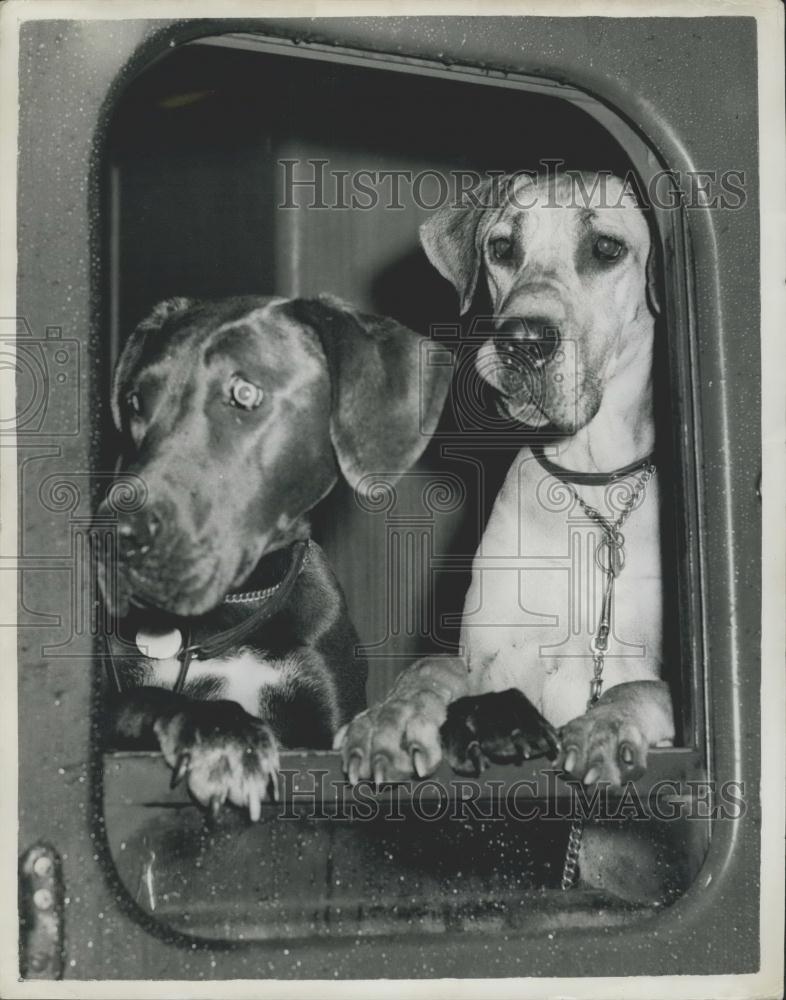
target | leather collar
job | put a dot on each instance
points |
(266, 603)
(591, 478)
(272, 580)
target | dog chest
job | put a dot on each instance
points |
(240, 676)
(537, 589)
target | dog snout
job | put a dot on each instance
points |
(137, 531)
(526, 340)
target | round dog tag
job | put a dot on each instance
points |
(159, 645)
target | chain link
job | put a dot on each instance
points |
(570, 868)
(612, 528)
(610, 557)
(252, 596)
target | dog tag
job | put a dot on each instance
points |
(159, 645)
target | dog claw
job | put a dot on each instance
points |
(380, 771)
(353, 767)
(274, 789)
(626, 753)
(419, 763)
(570, 761)
(181, 769)
(591, 775)
(254, 808)
(215, 806)
(475, 754)
(553, 743)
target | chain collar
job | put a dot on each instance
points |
(610, 557)
(252, 596)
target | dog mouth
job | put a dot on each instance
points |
(163, 584)
(183, 587)
(134, 590)
(521, 387)
(536, 377)
(183, 575)
(522, 409)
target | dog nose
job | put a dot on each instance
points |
(136, 532)
(527, 340)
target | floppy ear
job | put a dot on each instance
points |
(653, 280)
(133, 349)
(386, 398)
(451, 239)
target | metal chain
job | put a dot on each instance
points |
(252, 596)
(610, 557)
(570, 867)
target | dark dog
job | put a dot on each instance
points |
(233, 637)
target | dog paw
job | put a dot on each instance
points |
(399, 738)
(223, 754)
(609, 743)
(603, 747)
(395, 740)
(504, 727)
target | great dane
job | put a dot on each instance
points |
(567, 261)
(232, 637)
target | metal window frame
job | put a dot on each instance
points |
(704, 913)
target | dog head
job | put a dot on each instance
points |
(237, 417)
(569, 266)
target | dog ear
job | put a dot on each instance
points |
(386, 398)
(453, 236)
(450, 238)
(653, 280)
(133, 349)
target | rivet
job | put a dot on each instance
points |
(43, 866)
(42, 898)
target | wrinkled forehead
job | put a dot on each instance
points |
(212, 331)
(601, 200)
(267, 336)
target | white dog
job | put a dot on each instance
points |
(565, 603)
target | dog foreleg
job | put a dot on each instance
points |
(222, 752)
(610, 741)
(400, 737)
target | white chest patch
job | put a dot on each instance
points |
(241, 675)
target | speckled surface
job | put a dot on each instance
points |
(691, 86)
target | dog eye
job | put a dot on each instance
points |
(134, 404)
(244, 394)
(501, 248)
(607, 248)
